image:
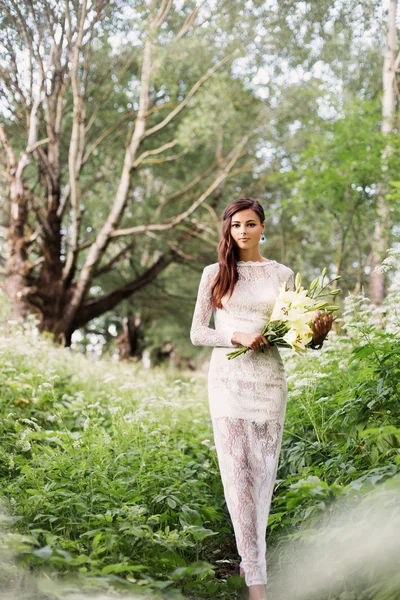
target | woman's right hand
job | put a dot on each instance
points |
(251, 340)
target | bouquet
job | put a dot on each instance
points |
(290, 322)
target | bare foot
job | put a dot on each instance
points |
(257, 592)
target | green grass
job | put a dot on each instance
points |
(110, 480)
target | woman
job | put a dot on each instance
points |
(247, 395)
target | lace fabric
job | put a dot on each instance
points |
(246, 310)
(248, 459)
(247, 401)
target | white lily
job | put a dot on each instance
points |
(298, 315)
(294, 310)
(286, 295)
(280, 311)
(297, 339)
(301, 299)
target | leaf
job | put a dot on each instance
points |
(118, 568)
(190, 516)
(196, 568)
(44, 552)
(362, 352)
(235, 583)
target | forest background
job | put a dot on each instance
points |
(126, 129)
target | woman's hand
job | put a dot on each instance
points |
(321, 326)
(251, 340)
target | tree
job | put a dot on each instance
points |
(69, 95)
(380, 240)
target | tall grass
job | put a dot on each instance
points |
(108, 471)
(110, 480)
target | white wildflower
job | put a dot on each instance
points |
(129, 417)
(31, 422)
(25, 445)
(129, 385)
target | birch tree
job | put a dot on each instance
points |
(50, 137)
(380, 240)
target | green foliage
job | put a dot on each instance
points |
(341, 441)
(109, 475)
(83, 473)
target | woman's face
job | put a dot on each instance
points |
(246, 228)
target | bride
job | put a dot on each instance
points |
(247, 395)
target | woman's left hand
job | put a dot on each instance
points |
(321, 326)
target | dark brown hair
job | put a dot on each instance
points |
(228, 252)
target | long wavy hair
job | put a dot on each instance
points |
(228, 251)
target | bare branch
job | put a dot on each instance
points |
(163, 159)
(32, 148)
(396, 63)
(192, 183)
(103, 136)
(12, 68)
(75, 149)
(189, 21)
(163, 12)
(189, 96)
(12, 161)
(157, 108)
(114, 261)
(40, 213)
(223, 174)
(29, 266)
(97, 248)
(28, 35)
(106, 94)
(97, 306)
(140, 158)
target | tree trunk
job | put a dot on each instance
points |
(380, 239)
(56, 283)
(131, 339)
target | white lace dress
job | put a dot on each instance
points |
(247, 400)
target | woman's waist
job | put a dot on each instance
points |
(269, 353)
(251, 325)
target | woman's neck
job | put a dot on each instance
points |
(250, 254)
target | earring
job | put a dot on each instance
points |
(262, 238)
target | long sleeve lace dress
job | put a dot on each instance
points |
(247, 401)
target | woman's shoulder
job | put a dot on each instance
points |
(284, 271)
(212, 268)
